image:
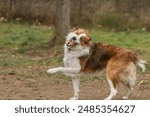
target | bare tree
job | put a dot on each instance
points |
(62, 21)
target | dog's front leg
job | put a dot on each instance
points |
(76, 88)
(69, 70)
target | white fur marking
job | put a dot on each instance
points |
(141, 64)
(69, 70)
(71, 59)
(113, 91)
(76, 87)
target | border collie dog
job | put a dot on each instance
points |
(82, 56)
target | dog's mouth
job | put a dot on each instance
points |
(70, 46)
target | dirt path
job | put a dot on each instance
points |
(17, 86)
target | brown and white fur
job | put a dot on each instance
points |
(82, 56)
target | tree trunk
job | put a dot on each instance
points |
(9, 9)
(62, 21)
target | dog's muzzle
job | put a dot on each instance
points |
(71, 44)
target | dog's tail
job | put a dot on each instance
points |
(141, 64)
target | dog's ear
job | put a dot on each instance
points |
(74, 29)
(81, 31)
(88, 38)
(85, 40)
(78, 31)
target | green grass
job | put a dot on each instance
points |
(15, 35)
(24, 45)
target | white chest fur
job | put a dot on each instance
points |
(71, 58)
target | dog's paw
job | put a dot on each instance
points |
(52, 71)
(125, 98)
(73, 98)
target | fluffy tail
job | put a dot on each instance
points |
(141, 63)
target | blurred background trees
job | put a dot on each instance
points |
(103, 14)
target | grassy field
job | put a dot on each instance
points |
(24, 45)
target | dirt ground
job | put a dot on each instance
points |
(47, 87)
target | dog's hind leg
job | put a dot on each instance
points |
(113, 90)
(76, 88)
(131, 80)
(129, 92)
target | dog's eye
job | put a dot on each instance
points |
(74, 38)
(81, 38)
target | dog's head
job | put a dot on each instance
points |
(78, 37)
